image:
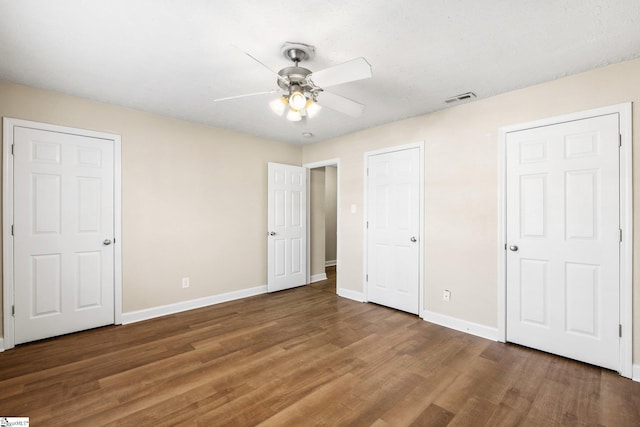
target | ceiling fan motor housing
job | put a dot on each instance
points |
(294, 75)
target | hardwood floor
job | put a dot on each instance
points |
(303, 357)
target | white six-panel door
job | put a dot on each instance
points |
(63, 233)
(286, 227)
(393, 230)
(563, 239)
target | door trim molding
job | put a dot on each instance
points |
(420, 146)
(624, 112)
(338, 263)
(7, 217)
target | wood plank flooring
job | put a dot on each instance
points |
(303, 357)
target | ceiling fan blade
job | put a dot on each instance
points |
(263, 64)
(356, 69)
(340, 104)
(245, 95)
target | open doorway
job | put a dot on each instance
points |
(323, 224)
(331, 223)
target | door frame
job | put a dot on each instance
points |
(420, 146)
(7, 217)
(624, 112)
(315, 165)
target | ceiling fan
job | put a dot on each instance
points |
(302, 91)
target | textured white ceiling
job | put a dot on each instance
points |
(174, 57)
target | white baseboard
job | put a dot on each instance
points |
(461, 325)
(1, 345)
(150, 313)
(354, 295)
(330, 263)
(318, 277)
(481, 330)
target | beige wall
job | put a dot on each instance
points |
(461, 182)
(330, 212)
(193, 197)
(317, 232)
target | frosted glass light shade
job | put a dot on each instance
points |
(297, 100)
(278, 105)
(294, 115)
(312, 108)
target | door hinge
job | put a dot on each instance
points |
(367, 277)
(367, 224)
(12, 149)
(620, 234)
(13, 310)
(619, 140)
(12, 229)
(505, 246)
(620, 331)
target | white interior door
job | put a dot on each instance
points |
(63, 233)
(393, 218)
(563, 235)
(286, 227)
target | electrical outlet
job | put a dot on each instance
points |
(446, 295)
(185, 282)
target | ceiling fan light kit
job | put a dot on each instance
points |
(302, 94)
(296, 105)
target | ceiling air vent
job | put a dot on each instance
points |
(462, 97)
